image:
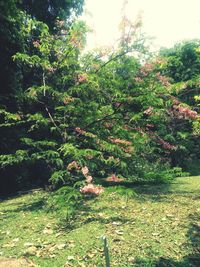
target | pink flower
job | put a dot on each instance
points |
(92, 189)
(120, 141)
(114, 178)
(185, 112)
(82, 78)
(162, 79)
(146, 69)
(166, 145)
(138, 79)
(85, 170)
(73, 165)
(80, 131)
(89, 179)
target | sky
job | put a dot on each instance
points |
(168, 21)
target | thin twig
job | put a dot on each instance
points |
(44, 82)
(104, 118)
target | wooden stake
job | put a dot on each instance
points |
(106, 251)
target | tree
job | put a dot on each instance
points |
(104, 113)
(12, 41)
(50, 11)
(182, 65)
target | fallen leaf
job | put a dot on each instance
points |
(15, 240)
(47, 231)
(131, 259)
(61, 246)
(155, 234)
(58, 234)
(116, 223)
(28, 244)
(9, 245)
(31, 251)
(119, 232)
(52, 256)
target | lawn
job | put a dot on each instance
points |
(145, 226)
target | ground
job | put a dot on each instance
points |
(145, 226)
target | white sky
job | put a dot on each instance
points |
(169, 21)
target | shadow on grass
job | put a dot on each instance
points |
(191, 260)
(32, 206)
(158, 192)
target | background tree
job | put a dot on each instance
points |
(182, 65)
(50, 11)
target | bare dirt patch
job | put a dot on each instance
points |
(16, 263)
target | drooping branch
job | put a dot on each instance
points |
(46, 108)
(104, 118)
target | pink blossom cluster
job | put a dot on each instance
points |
(138, 79)
(80, 131)
(92, 189)
(120, 141)
(188, 112)
(185, 112)
(82, 78)
(146, 69)
(73, 165)
(166, 145)
(162, 79)
(85, 172)
(114, 178)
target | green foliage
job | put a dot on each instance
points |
(65, 202)
(183, 60)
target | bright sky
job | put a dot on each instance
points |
(169, 21)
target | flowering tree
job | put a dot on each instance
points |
(182, 66)
(104, 115)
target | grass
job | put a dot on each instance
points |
(145, 226)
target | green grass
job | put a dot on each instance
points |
(145, 226)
